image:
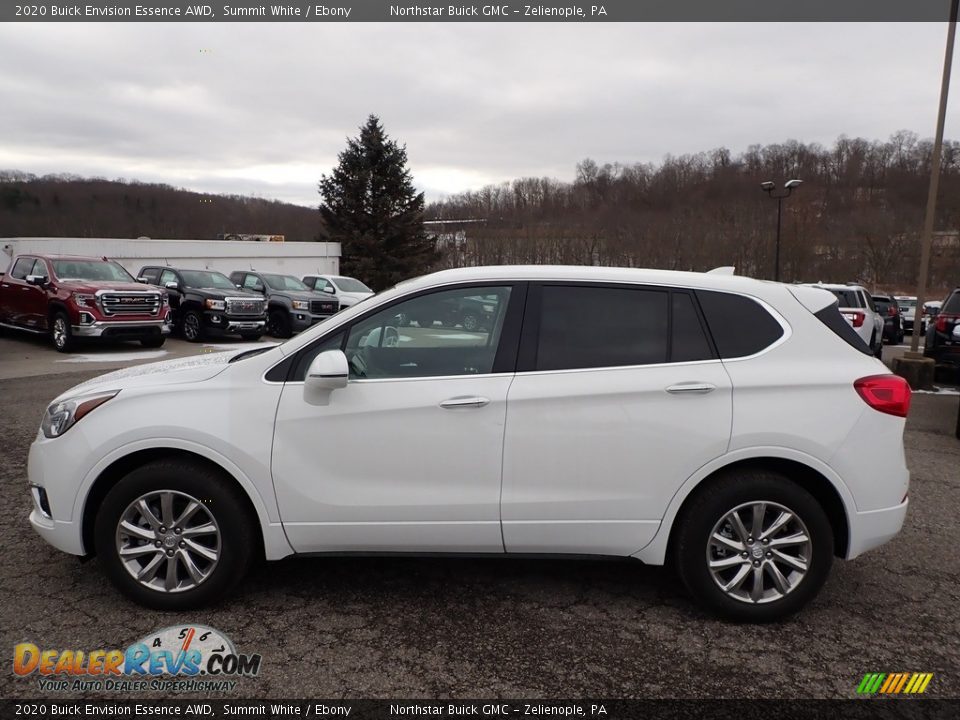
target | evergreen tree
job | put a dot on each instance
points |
(369, 204)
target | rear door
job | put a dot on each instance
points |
(618, 399)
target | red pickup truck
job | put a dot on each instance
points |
(70, 297)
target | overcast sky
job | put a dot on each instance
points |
(263, 109)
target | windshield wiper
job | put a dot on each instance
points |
(250, 353)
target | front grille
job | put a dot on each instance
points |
(252, 307)
(323, 307)
(129, 303)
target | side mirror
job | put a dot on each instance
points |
(239, 286)
(328, 289)
(328, 371)
(38, 280)
(142, 280)
(172, 285)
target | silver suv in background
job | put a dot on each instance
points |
(858, 308)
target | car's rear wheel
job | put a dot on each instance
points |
(61, 333)
(753, 546)
(173, 535)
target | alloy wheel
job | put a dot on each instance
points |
(168, 541)
(59, 332)
(759, 552)
(191, 327)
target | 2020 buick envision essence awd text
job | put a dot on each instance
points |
(737, 429)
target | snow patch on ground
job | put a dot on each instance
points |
(116, 356)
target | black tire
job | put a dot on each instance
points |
(191, 326)
(900, 336)
(278, 324)
(153, 342)
(877, 347)
(251, 337)
(701, 515)
(220, 498)
(61, 333)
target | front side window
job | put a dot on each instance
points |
(252, 282)
(21, 268)
(150, 275)
(591, 327)
(429, 336)
(168, 276)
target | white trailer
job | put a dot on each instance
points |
(289, 258)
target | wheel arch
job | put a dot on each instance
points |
(120, 467)
(808, 473)
(54, 307)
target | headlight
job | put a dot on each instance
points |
(214, 304)
(301, 305)
(84, 299)
(63, 415)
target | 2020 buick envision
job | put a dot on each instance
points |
(737, 429)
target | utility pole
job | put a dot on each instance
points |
(926, 238)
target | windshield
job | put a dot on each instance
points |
(206, 279)
(284, 282)
(348, 284)
(90, 270)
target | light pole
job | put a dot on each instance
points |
(788, 187)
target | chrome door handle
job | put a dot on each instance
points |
(465, 401)
(698, 388)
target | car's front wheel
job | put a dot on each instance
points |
(754, 546)
(192, 326)
(61, 333)
(174, 535)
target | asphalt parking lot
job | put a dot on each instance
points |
(447, 628)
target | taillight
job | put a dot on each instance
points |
(886, 393)
(856, 318)
(944, 320)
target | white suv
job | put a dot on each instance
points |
(857, 306)
(737, 429)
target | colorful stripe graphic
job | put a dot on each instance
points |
(894, 683)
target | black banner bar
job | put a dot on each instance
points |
(501, 11)
(902, 708)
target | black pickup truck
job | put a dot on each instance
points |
(205, 302)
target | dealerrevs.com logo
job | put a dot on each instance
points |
(192, 658)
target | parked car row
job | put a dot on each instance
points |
(71, 298)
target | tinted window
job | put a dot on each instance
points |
(587, 327)
(831, 317)
(740, 326)
(689, 340)
(252, 282)
(151, 275)
(429, 336)
(168, 276)
(883, 305)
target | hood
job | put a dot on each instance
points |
(91, 286)
(167, 372)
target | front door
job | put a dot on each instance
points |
(408, 456)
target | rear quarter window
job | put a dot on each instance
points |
(833, 319)
(740, 325)
(952, 304)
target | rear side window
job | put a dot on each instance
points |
(740, 325)
(590, 327)
(833, 319)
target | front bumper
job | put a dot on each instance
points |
(122, 329)
(220, 321)
(57, 523)
(301, 320)
(873, 528)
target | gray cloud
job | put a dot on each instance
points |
(264, 109)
